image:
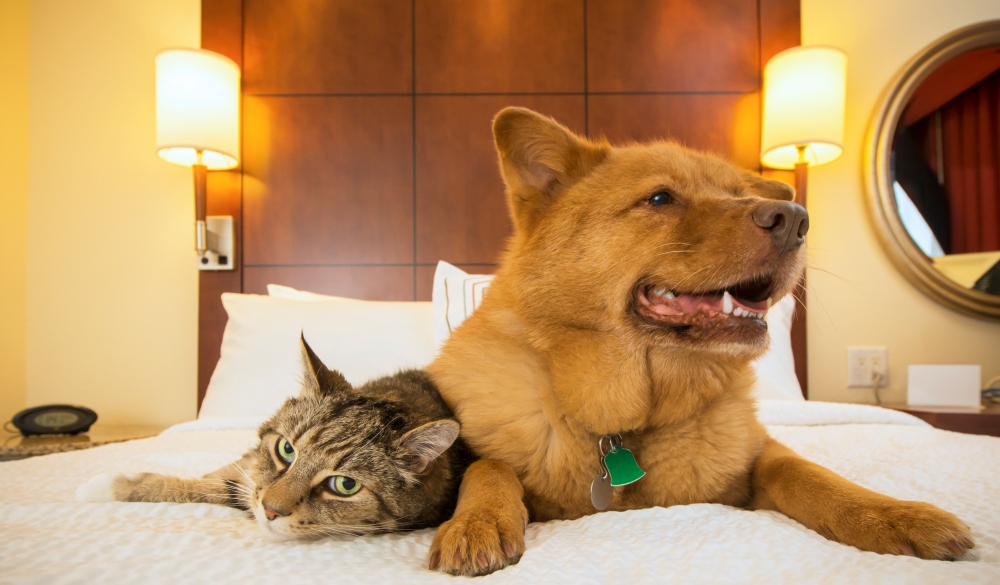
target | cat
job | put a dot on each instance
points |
(336, 460)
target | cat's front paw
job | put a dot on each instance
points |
(480, 541)
(904, 528)
(102, 488)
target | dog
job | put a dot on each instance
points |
(627, 309)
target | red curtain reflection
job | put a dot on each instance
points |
(970, 147)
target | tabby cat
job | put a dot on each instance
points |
(335, 460)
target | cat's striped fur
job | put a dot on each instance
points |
(392, 442)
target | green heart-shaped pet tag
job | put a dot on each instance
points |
(622, 467)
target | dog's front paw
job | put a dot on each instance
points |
(479, 541)
(903, 528)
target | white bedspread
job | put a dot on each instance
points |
(47, 537)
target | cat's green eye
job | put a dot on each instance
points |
(285, 450)
(343, 485)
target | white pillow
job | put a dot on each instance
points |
(776, 379)
(260, 364)
(287, 292)
(457, 294)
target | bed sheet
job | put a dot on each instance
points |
(47, 537)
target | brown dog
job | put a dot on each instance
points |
(630, 301)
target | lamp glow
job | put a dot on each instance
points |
(198, 126)
(804, 95)
(197, 109)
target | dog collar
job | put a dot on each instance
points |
(618, 468)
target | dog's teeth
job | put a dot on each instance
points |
(739, 312)
(662, 292)
(727, 303)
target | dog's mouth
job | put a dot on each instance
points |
(734, 313)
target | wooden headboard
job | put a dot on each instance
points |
(367, 154)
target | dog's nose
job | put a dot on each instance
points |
(270, 512)
(788, 222)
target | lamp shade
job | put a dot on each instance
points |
(197, 108)
(804, 94)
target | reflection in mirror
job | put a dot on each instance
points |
(945, 167)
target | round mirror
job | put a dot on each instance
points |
(934, 170)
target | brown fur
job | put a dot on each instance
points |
(560, 353)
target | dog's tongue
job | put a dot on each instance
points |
(688, 304)
(685, 304)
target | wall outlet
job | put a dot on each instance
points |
(863, 363)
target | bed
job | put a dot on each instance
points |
(48, 537)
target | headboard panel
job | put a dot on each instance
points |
(367, 154)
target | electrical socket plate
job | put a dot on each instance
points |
(863, 363)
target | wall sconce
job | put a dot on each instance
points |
(198, 126)
(804, 95)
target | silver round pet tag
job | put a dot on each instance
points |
(600, 491)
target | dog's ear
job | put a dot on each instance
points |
(539, 158)
(769, 188)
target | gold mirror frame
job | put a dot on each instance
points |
(905, 254)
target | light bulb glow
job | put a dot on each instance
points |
(197, 108)
(804, 96)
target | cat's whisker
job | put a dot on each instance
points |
(226, 482)
(177, 492)
(241, 471)
(236, 487)
(415, 512)
(355, 533)
(354, 528)
(338, 531)
(239, 488)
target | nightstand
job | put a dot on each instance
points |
(15, 446)
(956, 418)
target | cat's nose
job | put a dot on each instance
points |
(271, 513)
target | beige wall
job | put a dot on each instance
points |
(856, 296)
(111, 302)
(111, 278)
(13, 201)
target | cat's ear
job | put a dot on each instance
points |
(317, 379)
(419, 448)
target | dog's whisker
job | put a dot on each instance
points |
(812, 266)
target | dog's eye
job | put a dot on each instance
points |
(661, 198)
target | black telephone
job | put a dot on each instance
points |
(54, 419)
